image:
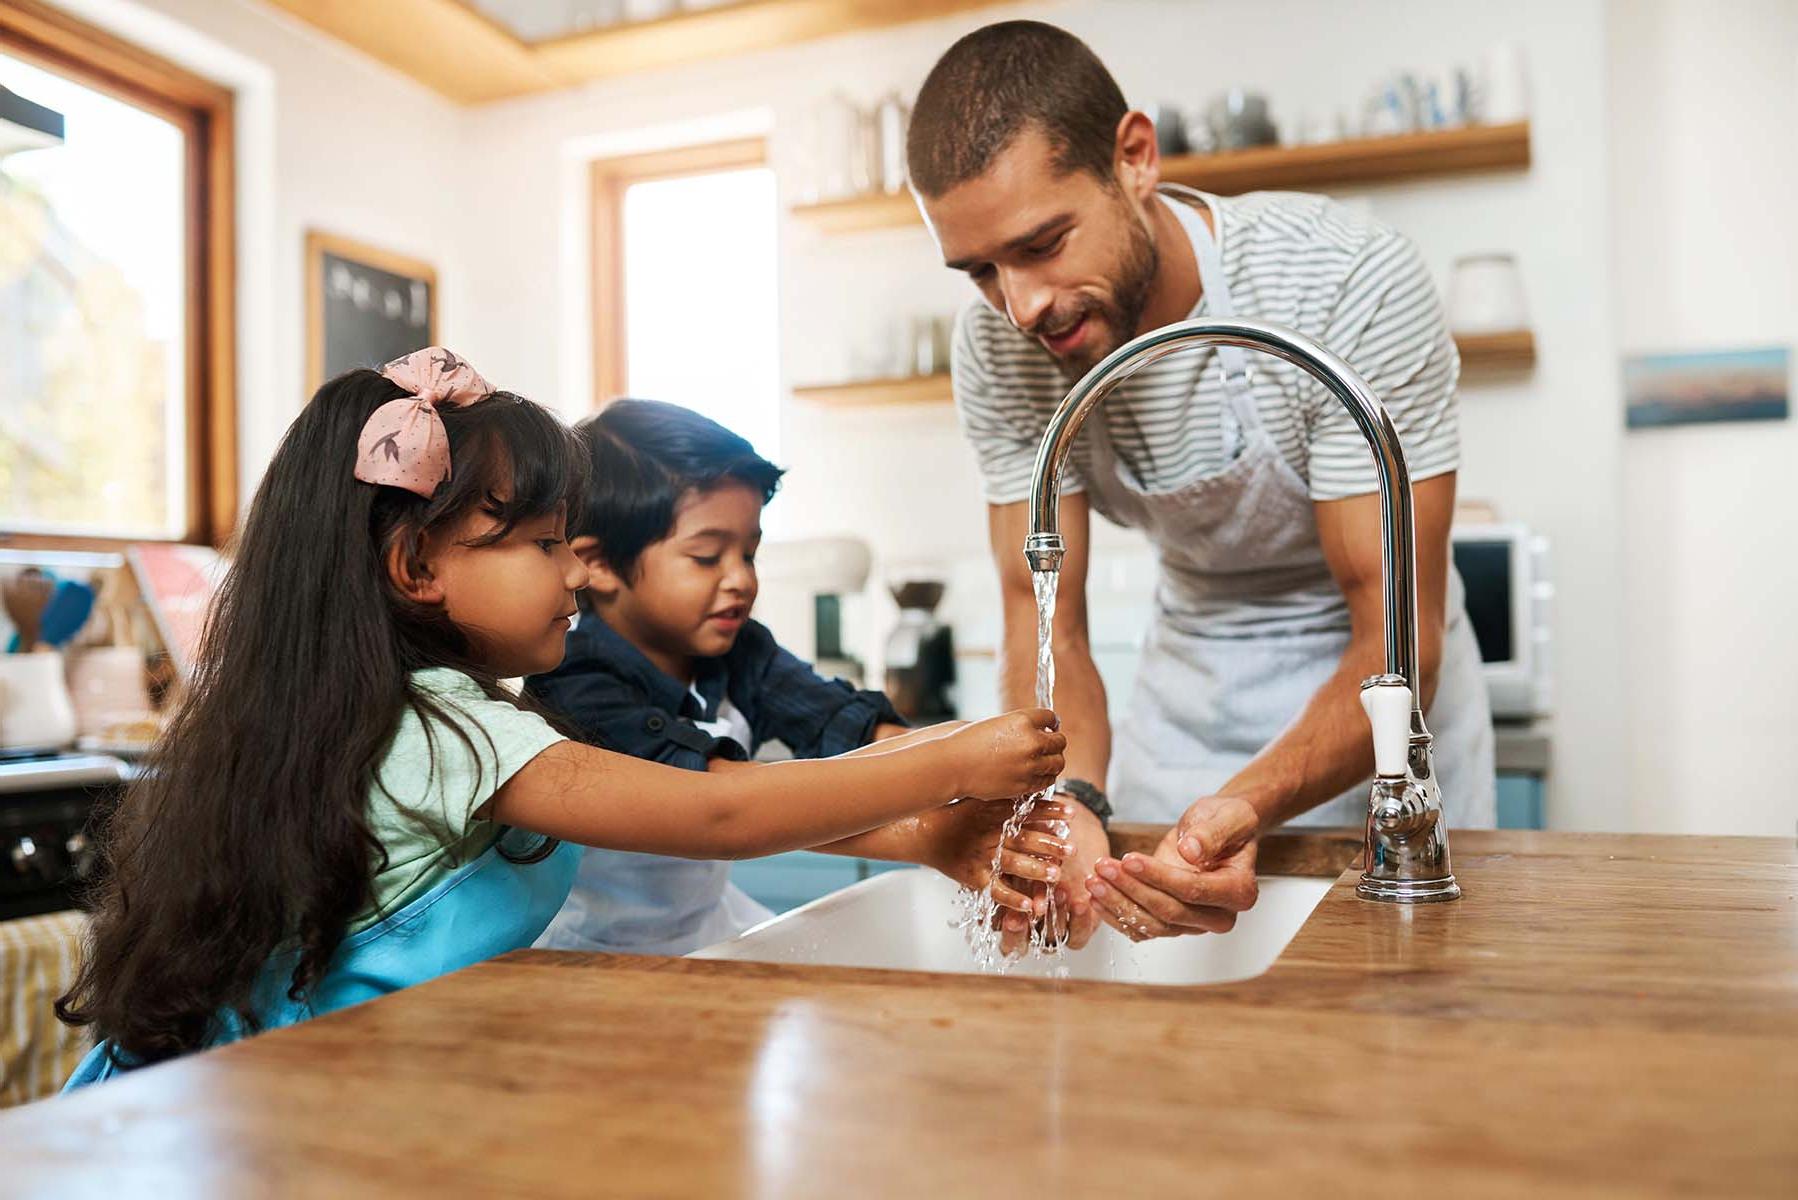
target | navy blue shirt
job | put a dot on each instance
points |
(616, 698)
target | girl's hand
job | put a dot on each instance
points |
(1009, 756)
(961, 840)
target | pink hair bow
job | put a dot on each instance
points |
(403, 443)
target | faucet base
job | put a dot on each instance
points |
(1408, 891)
(1406, 848)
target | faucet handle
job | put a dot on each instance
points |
(1387, 701)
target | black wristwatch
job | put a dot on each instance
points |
(1090, 796)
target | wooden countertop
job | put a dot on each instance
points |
(1601, 1015)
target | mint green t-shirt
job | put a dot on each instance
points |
(428, 787)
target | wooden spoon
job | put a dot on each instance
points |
(25, 597)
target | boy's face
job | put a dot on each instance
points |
(692, 591)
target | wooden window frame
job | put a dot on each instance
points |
(611, 177)
(204, 111)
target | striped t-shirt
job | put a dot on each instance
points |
(1298, 260)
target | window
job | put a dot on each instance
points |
(686, 285)
(116, 404)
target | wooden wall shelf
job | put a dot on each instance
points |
(1513, 351)
(1361, 161)
(861, 213)
(916, 389)
(1484, 351)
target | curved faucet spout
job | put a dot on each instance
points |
(1397, 537)
(1407, 861)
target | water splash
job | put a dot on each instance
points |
(977, 909)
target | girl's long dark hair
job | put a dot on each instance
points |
(249, 833)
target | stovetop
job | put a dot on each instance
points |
(48, 807)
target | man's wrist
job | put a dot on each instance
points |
(1089, 796)
(1273, 805)
(1087, 834)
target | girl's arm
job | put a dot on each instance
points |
(960, 841)
(899, 841)
(583, 794)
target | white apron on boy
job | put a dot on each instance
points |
(651, 904)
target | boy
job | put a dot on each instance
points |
(666, 664)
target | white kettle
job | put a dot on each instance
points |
(36, 712)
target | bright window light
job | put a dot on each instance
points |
(700, 284)
(93, 319)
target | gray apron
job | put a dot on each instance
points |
(1249, 623)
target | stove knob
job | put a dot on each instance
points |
(24, 855)
(80, 852)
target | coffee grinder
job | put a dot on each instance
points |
(920, 654)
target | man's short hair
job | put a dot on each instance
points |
(996, 82)
(647, 455)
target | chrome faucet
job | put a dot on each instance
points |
(1406, 842)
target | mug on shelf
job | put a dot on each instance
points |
(1485, 295)
(1240, 119)
(1501, 93)
(892, 117)
(837, 129)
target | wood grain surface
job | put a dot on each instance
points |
(1600, 1015)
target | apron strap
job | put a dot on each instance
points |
(1215, 285)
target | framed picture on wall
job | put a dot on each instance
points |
(364, 306)
(1710, 385)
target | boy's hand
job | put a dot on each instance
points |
(1076, 915)
(960, 842)
(1008, 756)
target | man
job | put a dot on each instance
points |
(1252, 482)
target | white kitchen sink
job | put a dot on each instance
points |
(901, 921)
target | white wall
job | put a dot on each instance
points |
(1704, 168)
(1662, 141)
(1546, 448)
(327, 139)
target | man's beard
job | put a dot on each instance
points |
(1120, 314)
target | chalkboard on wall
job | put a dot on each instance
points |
(364, 306)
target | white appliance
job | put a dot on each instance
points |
(1509, 598)
(808, 587)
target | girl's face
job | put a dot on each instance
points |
(512, 599)
(692, 591)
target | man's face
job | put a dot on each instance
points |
(1068, 258)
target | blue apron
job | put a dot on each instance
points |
(488, 907)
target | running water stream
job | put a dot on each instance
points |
(978, 910)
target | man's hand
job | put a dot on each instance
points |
(1075, 913)
(1200, 876)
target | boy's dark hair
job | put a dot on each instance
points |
(992, 84)
(644, 456)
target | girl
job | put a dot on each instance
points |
(348, 802)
